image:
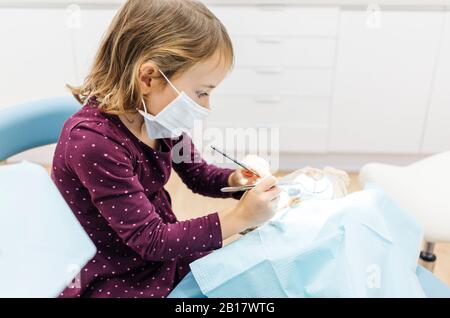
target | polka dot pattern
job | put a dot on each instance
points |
(114, 185)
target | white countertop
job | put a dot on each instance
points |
(115, 3)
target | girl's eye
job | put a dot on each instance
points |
(202, 95)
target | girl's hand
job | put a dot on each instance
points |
(255, 207)
(243, 176)
(258, 204)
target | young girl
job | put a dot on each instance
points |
(112, 159)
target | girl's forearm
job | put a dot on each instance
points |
(231, 223)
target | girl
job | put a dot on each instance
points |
(112, 159)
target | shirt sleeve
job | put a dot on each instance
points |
(198, 175)
(105, 167)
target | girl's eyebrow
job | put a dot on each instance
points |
(210, 86)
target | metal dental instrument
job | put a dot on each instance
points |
(236, 162)
(251, 186)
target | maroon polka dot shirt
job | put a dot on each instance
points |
(114, 185)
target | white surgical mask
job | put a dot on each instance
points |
(177, 117)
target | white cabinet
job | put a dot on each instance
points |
(383, 81)
(437, 128)
(277, 80)
(300, 120)
(304, 52)
(284, 57)
(282, 20)
(36, 58)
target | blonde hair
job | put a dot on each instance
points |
(174, 34)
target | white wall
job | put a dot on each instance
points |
(437, 132)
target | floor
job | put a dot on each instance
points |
(188, 205)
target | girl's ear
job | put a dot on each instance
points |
(148, 72)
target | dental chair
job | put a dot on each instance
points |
(423, 189)
(33, 124)
(37, 223)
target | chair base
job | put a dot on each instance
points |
(427, 257)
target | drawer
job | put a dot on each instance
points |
(312, 139)
(276, 80)
(269, 110)
(303, 139)
(278, 20)
(272, 50)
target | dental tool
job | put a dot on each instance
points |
(236, 162)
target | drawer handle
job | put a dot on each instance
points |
(269, 70)
(268, 99)
(269, 40)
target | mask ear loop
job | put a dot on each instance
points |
(170, 83)
(143, 103)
